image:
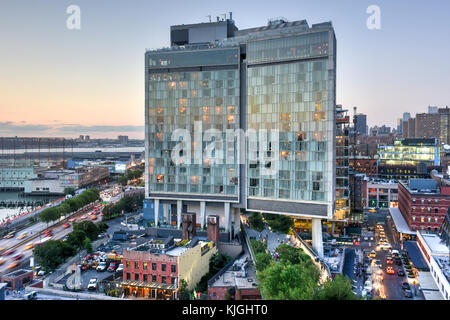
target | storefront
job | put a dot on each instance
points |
(149, 290)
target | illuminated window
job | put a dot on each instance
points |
(160, 178)
(230, 118)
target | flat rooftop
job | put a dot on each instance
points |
(444, 264)
(234, 278)
(435, 244)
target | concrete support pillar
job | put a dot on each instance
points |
(237, 220)
(179, 209)
(202, 213)
(166, 213)
(227, 216)
(332, 227)
(317, 242)
(156, 212)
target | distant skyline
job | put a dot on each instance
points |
(60, 82)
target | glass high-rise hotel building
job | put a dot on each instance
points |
(277, 81)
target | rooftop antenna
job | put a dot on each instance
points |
(209, 16)
(224, 16)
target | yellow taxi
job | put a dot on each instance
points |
(23, 235)
(372, 254)
(13, 265)
(29, 246)
(373, 210)
(2, 261)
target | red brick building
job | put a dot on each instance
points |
(423, 204)
(18, 279)
(154, 269)
(366, 165)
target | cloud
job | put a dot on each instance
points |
(12, 128)
(80, 128)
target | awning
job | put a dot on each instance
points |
(416, 256)
(399, 221)
(149, 285)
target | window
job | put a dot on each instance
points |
(163, 267)
(128, 264)
(144, 265)
(136, 264)
(145, 278)
(128, 276)
(163, 279)
(173, 268)
(153, 278)
(154, 266)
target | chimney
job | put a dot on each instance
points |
(188, 225)
(212, 232)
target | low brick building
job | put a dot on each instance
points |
(18, 279)
(155, 269)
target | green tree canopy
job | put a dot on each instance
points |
(52, 253)
(286, 281)
(340, 288)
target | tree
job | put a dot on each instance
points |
(52, 253)
(258, 246)
(338, 289)
(87, 244)
(69, 190)
(185, 294)
(263, 260)
(279, 223)
(285, 281)
(76, 238)
(256, 222)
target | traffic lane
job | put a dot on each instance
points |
(58, 233)
(392, 282)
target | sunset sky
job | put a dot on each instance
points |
(60, 82)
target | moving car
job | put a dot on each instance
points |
(13, 265)
(9, 252)
(93, 217)
(390, 270)
(389, 260)
(92, 284)
(400, 273)
(2, 261)
(373, 210)
(67, 225)
(18, 257)
(29, 246)
(23, 235)
(9, 235)
(372, 254)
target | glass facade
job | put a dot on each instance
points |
(292, 98)
(178, 100)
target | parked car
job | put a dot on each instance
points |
(400, 273)
(405, 285)
(101, 266)
(407, 293)
(120, 268)
(92, 284)
(112, 266)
